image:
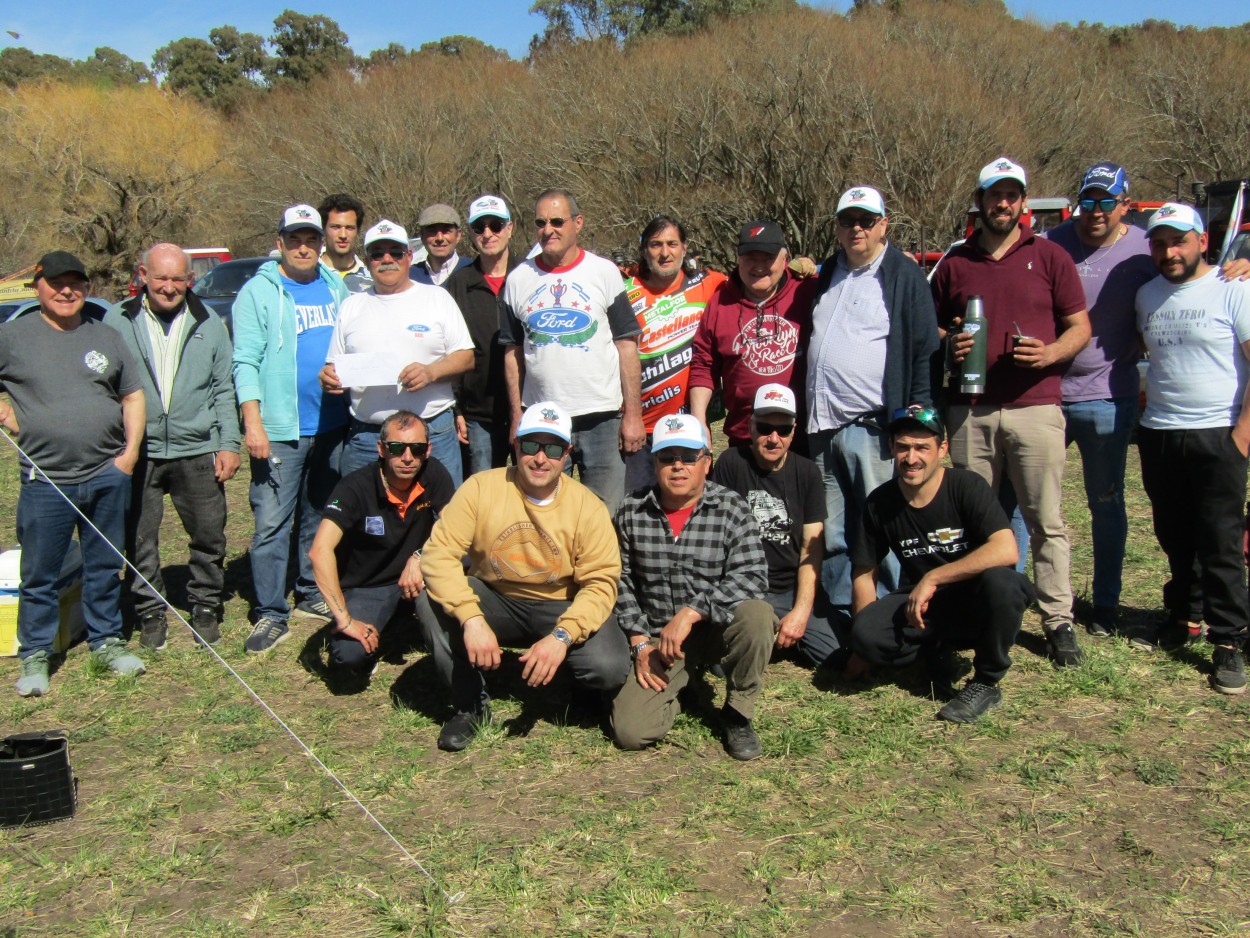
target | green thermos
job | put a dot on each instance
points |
(972, 373)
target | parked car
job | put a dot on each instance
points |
(94, 308)
(219, 287)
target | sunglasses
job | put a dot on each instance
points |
(396, 448)
(925, 416)
(768, 429)
(550, 450)
(495, 225)
(378, 254)
(687, 457)
(863, 222)
(556, 223)
(1098, 205)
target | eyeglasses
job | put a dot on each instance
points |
(495, 225)
(550, 450)
(768, 429)
(927, 417)
(396, 448)
(379, 254)
(557, 223)
(675, 454)
(1098, 205)
(863, 222)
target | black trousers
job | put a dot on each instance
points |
(1196, 482)
(983, 614)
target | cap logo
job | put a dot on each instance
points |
(773, 396)
(385, 228)
(1167, 211)
(755, 231)
(673, 423)
(550, 415)
(303, 213)
(858, 194)
(1002, 165)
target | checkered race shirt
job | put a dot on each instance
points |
(716, 563)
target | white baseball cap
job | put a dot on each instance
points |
(1178, 216)
(546, 417)
(679, 430)
(386, 230)
(775, 399)
(865, 197)
(488, 205)
(1000, 169)
(300, 216)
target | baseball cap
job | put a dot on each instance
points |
(679, 430)
(916, 415)
(300, 216)
(761, 235)
(775, 399)
(386, 230)
(1000, 169)
(546, 417)
(55, 263)
(1175, 215)
(865, 197)
(1109, 176)
(488, 205)
(440, 213)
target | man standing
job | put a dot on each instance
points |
(191, 447)
(283, 319)
(957, 554)
(752, 332)
(543, 568)
(1195, 433)
(787, 497)
(571, 338)
(417, 344)
(692, 574)
(1035, 322)
(481, 398)
(76, 406)
(367, 553)
(873, 336)
(344, 216)
(439, 228)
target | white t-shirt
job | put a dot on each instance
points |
(565, 319)
(422, 324)
(1193, 332)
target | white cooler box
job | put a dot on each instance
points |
(69, 587)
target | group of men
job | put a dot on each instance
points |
(381, 400)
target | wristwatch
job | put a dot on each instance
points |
(636, 650)
(561, 634)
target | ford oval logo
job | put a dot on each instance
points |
(559, 322)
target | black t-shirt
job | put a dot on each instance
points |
(961, 517)
(376, 541)
(782, 502)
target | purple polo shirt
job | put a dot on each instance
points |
(1034, 284)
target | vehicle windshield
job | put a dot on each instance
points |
(226, 279)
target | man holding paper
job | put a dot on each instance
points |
(396, 347)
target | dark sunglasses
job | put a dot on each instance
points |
(925, 416)
(495, 225)
(1098, 205)
(768, 429)
(378, 254)
(670, 455)
(863, 222)
(550, 450)
(396, 448)
(541, 223)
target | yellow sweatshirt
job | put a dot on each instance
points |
(565, 551)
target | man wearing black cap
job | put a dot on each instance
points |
(76, 404)
(957, 553)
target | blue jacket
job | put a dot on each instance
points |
(264, 347)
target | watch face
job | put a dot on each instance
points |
(562, 634)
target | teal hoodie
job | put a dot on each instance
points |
(264, 347)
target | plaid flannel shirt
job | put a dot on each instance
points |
(716, 563)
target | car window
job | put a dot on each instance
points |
(226, 279)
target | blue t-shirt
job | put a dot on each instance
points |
(315, 312)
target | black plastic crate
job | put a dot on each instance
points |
(36, 782)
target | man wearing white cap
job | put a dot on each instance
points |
(1195, 431)
(293, 431)
(693, 578)
(543, 569)
(412, 342)
(1035, 322)
(873, 335)
(439, 228)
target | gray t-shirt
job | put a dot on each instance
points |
(66, 388)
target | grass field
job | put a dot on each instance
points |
(1111, 799)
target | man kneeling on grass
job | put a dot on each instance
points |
(957, 553)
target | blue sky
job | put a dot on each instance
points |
(139, 28)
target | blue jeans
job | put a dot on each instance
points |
(361, 448)
(640, 469)
(853, 461)
(488, 445)
(597, 455)
(45, 526)
(288, 489)
(1101, 431)
(1019, 530)
(828, 631)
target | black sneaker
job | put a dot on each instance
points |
(1230, 670)
(1170, 635)
(459, 731)
(972, 702)
(740, 739)
(1064, 651)
(1105, 622)
(204, 621)
(312, 609)
(945, 667)
(153, 629)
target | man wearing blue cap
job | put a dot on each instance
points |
(1195, 432)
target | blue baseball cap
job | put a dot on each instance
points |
(1108, 176)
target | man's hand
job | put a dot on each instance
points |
(411, 582)
(674, 635)
(542, 660)
(126, 463)
(363, 632)
(1241, 439)
(225, 465)
(8, 417)
(649, 669)
(1031, 352)
(462, 430)
(633, 434)
(415, 377)
(961, 345)
(257, 441)
(793, 625)
(918, 601)
(329, 379)
(481, 644)
(1236, 269)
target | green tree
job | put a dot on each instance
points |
(462, 46)
(109, 68)
(18, 64)
(306, 47)
(220, 71)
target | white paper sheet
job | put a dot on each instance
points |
(370, 369)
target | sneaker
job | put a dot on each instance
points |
(1230, 670)
(112, 653)
(1170, 635)
(153, 629)
(741, 742)
(1104, 624)
(33, 678)
(204, 621)
(972, 702)
(459, 731)
(944, 666)
(312, 609)
(266, 633)
(1064, 651)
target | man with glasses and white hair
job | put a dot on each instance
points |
(693, 578)
(542, 570)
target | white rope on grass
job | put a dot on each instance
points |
(451, 898)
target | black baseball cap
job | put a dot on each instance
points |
(761, 235)
(916, 415)
(55, 263)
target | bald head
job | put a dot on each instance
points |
(166, 273)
